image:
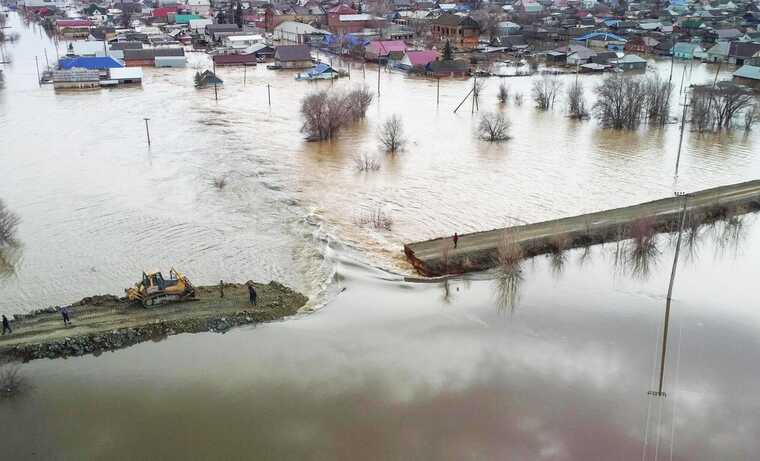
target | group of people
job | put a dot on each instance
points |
(65, 313)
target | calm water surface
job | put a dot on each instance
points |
(556, 365)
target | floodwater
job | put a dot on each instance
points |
(555, 365)
(98, 206)
(559, 368)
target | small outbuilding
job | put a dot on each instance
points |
(293, 57)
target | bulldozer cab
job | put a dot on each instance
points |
(154, 289)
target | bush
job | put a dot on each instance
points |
(619, 102)
(545, 91)
(8, 225)
(376, 219)
(503, 94)
(12, 382)
(366, 163)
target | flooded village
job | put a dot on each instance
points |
(381, 229)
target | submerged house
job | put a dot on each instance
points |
(206, 78)
(98, 64)
(76, 79)
(383, 50)
(126, 75)
(241, 59)
(417, 60)
(293, 57)
(321, 71)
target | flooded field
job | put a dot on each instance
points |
(98, 206)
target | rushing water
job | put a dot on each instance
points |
(555, 364)
(98, 206)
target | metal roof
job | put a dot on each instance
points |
(750, 72)
(106, 62)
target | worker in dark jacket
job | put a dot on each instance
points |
(252, 294)
(6, 325)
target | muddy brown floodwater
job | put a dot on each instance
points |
(554, 365)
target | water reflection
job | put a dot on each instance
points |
(507, 290)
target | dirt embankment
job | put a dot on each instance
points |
(105, 323)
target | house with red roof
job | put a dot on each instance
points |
(381, 50)
(334, 14)
(164, 11)
(417, 59)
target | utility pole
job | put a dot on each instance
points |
(47, 63)
(37, 65)
(269, 96)
(147, 130)
(680, 139)
(659, 392)
(378, 78)
(216, 93)
(438, 91)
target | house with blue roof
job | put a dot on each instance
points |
(687, 50)
(101, 63)
(602, 40)
(321, 71)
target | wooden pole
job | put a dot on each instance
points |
(378, 77)
(438, 91)
(147, 130)
(47, 63)
(37, 65)
(245, 70)
(216, 93)
(269, 96)
(463, 100)
(680, 140)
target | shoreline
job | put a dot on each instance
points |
(108, 323)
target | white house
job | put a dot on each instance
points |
(240, 42)
(296, 32)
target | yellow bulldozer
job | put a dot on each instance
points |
(154, 289)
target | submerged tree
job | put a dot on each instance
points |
(619, 102)
(8, 225)
(716, 106)
(503, 94)
(576, 103)
(391, 135)
(493, 127)
(326, 112)
(657, 100)
(545, 90)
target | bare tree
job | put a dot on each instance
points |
(219, 182)
(325, 112)
(391, 135)
(8, 225)
(576, 103)
(377, 219)
(503, 94)
(657, 100)
(545, 91)
(366, 163)
(493, 127)
(509, 254)
(359, 101)
(717, 105)
(619, 102)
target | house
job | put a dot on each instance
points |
(76, 79)
(602, 40)
(458, 30)
(116, 49)
(740, 52)
(383, 50)
(239, 42)
(718, 52)
(630, 62)
(198, 25)
(147, 56)
(199, 7)
(572, 55)
(321, 71)
(334, 14)
(242, 59)
(296, 32)
(728, 35)
(215, 32)
(170, 61)
(453, 68)
(88, 48)
(261, 50)
(293, 57)
(206, 78)
(181, 18)
(644, 45)
(687, 50)
(352, 23)
(126, 75)
(73, 28)
(748, 75)
(100, 63)
(417, 60)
